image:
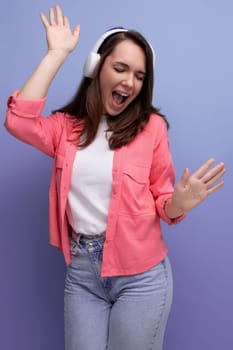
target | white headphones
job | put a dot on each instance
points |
(94, 57)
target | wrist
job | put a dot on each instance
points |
(172, 209)
(57, 54)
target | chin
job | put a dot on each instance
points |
(112, 113)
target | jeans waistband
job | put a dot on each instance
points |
(85, 240)
(82, 237)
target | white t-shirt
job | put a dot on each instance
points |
(91, 185)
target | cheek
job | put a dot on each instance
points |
(105, 84)
(138, 87)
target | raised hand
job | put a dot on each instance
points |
(61, 41)
(58, 33)
(191, 190)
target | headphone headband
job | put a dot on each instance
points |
(105, 35)
(94, 57)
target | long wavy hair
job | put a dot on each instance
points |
(86, 105)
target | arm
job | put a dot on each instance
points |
(162, 175)
(172, 203)
(193, 189)
(25, 122)
(23, 117)
(61, 41)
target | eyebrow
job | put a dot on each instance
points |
(127, 66)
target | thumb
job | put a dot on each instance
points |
(185, 177)
(76, 30)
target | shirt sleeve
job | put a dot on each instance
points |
(25, 122)
(162, 174)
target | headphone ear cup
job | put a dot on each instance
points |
(90, 64)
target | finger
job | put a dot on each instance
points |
(66, 21)
(203, 168)
(216, 177)
(52, 17)
(215, 188)
(44, 20)
(59, 15)
(216, 172)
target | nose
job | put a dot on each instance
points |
(128, 80)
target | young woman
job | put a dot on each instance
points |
(112, 182)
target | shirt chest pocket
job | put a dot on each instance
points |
(136, 197)
(137, 174)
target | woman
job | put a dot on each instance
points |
(112, 182)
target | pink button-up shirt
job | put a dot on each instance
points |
(142, 181)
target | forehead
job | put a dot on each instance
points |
(129, 53)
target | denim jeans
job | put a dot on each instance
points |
(114, 313)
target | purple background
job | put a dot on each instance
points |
(194, 88)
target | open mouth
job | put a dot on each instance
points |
(119, 98)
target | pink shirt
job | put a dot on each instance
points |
(142, 181)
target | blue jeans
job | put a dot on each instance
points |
(114, 313)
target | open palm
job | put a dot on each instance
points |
(58, 33)
(191, 190)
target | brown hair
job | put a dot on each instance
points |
(87, 102)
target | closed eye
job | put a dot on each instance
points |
(119, 70)
(140, 76)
